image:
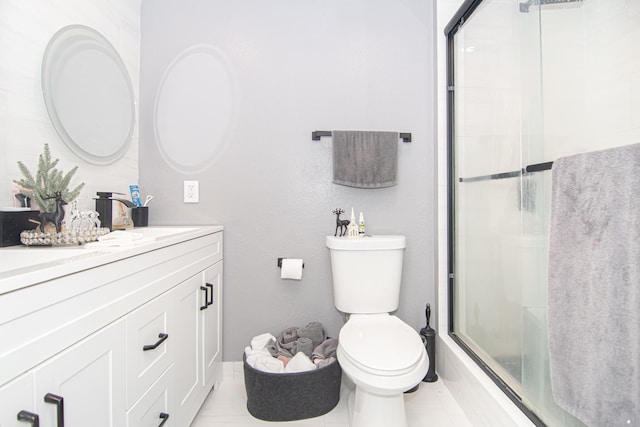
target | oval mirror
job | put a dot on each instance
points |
(195, 109)
(88, 94)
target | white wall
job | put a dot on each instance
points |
(591, 68)
(297, 67)
(25, 30)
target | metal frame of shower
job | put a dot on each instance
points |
(461, 16)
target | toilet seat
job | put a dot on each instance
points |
(381, 344)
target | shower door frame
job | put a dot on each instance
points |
(457, 22)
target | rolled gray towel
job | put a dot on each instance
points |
(321, 363)
(286, 340)
(314, 331)
(289, 335)
(325, 350)
(304, 345)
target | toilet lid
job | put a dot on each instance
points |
(381, 344)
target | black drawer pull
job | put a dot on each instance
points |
(206, 297)
(162, 339)
(29, 417)
(164, 418)
(59, 402)
(210, 286)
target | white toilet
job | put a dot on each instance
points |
(381, 354)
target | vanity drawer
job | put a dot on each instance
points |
(156, 407)
(150, 344)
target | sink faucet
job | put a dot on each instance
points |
(104, 207)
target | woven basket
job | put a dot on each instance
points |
(292, 396)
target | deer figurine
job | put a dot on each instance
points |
(54, 217)
(340, 223)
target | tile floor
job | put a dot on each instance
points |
(432, 405)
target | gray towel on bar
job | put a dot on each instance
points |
(365, 159)
(594, 286)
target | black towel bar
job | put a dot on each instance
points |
(317, 134)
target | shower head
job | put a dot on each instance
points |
(524, 7)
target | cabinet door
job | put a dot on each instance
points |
(15, 397)
(188, 299)
(211, 326)
(149, 345)
(90, 377)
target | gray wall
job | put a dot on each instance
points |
(295, 67)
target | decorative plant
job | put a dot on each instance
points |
(47, 182)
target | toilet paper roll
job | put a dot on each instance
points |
(291, 269)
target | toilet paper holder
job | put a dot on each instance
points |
(280, 263)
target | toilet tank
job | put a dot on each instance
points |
(366, 272)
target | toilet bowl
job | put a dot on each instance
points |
(384, 357)
(378, 352)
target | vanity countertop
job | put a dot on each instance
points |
(23, 266)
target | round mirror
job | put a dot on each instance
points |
(88, 94)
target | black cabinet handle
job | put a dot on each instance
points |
(29, 417)
(210, 286)
(162, 339)
(206, 297)
(59, 402)
(164, 418)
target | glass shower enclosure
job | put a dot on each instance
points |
(528, 82)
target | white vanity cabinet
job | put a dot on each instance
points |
(198, 362)
(131, 339)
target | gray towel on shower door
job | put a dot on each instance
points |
(594, 286)
(365, 159)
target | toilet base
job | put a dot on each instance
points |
(370, 410)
